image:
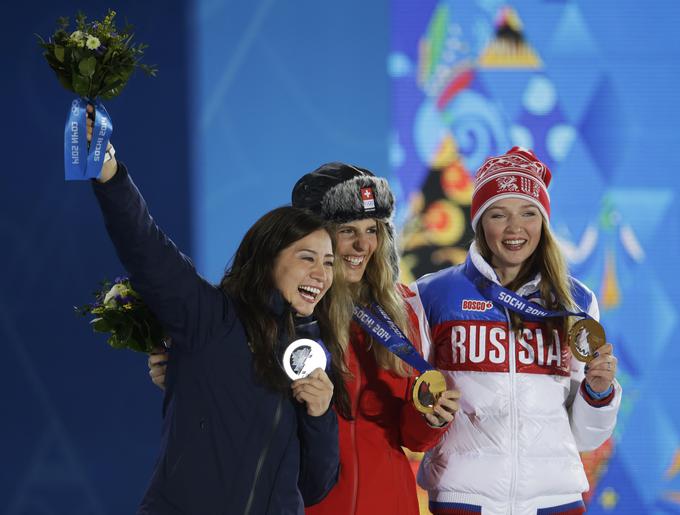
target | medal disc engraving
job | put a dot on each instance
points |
(427, 389)
(302, 357)
(585, 337)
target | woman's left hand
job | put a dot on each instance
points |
(600, 371)
(315, 390)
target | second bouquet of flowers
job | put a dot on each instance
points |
(119, 311)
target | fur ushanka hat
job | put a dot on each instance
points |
(342, 193)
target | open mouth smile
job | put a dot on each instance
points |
(309, 293)
(514, 244)
(354, 261)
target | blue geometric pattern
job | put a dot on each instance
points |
(596, 102)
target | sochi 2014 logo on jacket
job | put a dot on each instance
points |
(485, 345)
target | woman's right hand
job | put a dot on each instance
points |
(445, 409)
(109, 167)
(158, 363)
(315, 390)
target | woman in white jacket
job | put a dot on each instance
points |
(527, 406)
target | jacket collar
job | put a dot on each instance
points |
(476, 260)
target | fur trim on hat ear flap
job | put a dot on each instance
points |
(358, 198)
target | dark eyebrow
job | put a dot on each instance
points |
(316, 253)
(523, 206)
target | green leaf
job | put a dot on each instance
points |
(81, 85)
(109, 53)
(115, 342)
(115, 317)
(59, 53)
(100, 325)
(87, 66)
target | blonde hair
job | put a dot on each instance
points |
(555, 284)
(336, 308)
(378, 285)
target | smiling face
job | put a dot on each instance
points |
(303, 271)
(356, 242)
(512, 229)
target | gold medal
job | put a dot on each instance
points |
(585, 337)
(427, 389)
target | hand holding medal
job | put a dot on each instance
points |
(588, 344)
(438, 409)
(305, 361)
(585, 337)
(303, 356)
(315, 390)
(430, 395)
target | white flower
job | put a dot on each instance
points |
(77, 35)
(92, 42)
(118, 290)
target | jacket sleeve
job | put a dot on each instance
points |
(416, 434)
(159, 272)
(592, 422)
(319, 454)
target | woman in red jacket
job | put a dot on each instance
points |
(375, 475)
(378, 418)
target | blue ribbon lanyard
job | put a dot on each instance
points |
(381, 327)
(510, 300)
(312, 331)
(79, 164)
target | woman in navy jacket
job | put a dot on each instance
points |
(237, 437)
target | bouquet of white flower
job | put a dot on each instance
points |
(120, 311)
(95, 60)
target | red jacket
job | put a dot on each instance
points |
(375, 475)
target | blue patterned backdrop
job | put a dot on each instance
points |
(589, 86)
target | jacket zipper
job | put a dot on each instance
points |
(263, 456)
(513, 413)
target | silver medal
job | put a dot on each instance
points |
(302, 357)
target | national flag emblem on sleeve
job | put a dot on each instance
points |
(368, 199)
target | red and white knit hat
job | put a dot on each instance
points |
(516, 174)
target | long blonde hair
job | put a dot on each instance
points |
(378, 285)
(555, 284)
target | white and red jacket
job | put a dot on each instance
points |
(513, 447)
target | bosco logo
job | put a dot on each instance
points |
(477, 305)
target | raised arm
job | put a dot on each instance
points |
(159, 272)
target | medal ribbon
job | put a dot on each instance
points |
(311, 330)
(79, 165)
(379, 325)
(510, 300)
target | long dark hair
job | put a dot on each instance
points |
(250, 284)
